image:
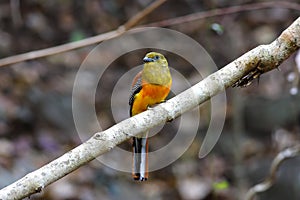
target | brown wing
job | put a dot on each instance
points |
(135, 88)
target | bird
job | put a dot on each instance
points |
(149, 87)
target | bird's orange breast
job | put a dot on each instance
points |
(149, 95)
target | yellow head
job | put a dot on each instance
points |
(156, 70)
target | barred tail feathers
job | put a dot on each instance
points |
(140, 157)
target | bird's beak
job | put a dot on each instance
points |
(147, 59)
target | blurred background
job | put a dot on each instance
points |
(36, 122)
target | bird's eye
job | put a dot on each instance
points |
(156, 57)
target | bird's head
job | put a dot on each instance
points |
(156, 69)
(154, 57)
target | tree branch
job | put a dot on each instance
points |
(271, 178)
(226, 11)
(135, 20)
(85, 42)
(267, 56)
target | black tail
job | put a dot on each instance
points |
(140, 159)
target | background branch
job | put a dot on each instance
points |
(266, 55)
(85, 42)
(226, 11)
(135, 20)
(271, 178)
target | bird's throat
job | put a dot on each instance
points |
(154, 74)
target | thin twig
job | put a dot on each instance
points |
(270, 180)
(226, 11)
(82, 43)
(137, 18)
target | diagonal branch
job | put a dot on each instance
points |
(136, 19)
(270, 180)
(268, 57)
